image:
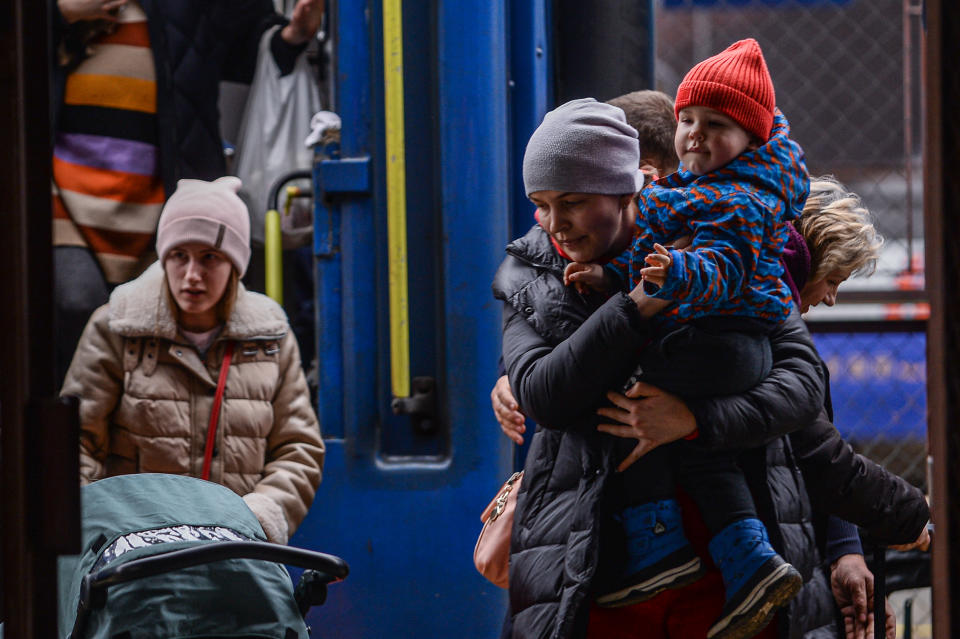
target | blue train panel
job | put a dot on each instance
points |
(878, 384)
(412, 211)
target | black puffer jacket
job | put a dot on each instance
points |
(852, 487)
(814, 465)
(557, 368)
(196, 44)
(559, 356)
(554, 547)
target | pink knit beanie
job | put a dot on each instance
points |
(735, 82)
(209, 213)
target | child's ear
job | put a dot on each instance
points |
(755, 143)
(625, 200)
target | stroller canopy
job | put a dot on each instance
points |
(134, 516)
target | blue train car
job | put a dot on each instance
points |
(413, 209)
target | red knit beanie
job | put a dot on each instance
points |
(735, 82)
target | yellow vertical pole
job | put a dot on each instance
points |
(396, 197)
(273, 257)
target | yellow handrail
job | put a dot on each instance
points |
(396, 197)
(273, 256)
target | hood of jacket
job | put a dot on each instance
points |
(140, 308)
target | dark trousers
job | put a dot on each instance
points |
(709, 357)
(79, 289)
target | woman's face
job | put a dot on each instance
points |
(823, 290)
(198, 275)
(587, 226)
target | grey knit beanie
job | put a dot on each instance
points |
(583, 146)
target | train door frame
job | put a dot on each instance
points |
(39, 464)
(941, 199)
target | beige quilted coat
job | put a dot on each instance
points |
(146, 396)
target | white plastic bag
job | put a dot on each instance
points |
(275, 123)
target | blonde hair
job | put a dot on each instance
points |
(224, 305)
(838, 230)
(229, 297)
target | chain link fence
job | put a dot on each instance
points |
(878, 388)
(847, 75)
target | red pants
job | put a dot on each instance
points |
(684, 613)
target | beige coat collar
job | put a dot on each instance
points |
(139, 309)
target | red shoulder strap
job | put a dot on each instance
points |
(215, 412)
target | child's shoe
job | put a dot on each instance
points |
(658, 554)
(756, 578)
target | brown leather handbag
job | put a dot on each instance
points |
(491, 555)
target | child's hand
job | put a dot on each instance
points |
(659, 266)
(584, 276)
(650, 173)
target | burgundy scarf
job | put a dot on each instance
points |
(796, 262)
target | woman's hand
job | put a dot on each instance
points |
(922, 542)
(507, 411)
(652, 416)
(865, 630)
(74, 10)
(852, 585)
(304, 23)
(584, 277)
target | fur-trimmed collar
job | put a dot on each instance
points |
(139, 309)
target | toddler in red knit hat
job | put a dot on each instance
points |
(741, 181)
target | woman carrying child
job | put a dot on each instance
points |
(547, 355)
(560, 371)
(833, 239)
(154, 362)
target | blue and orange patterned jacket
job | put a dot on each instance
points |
(737, 217)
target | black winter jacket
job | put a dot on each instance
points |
(552, 344)
(554, 546)
(559, 363)
(196, 44)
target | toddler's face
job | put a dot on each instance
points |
(707, 139)
(587, 226)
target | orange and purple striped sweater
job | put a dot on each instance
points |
(107, 190)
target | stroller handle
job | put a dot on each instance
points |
(334, 567)
(94, 586)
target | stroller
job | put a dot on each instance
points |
(171, 556)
